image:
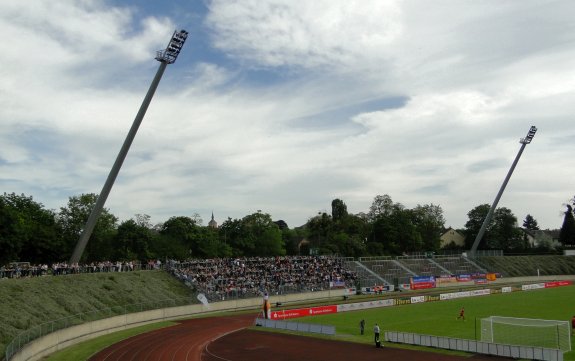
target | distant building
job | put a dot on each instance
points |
(541, 238)
(451, 236)
(213, 224)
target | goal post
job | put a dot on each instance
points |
(527, 332)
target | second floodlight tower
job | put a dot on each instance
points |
(524, 142)
(165, 57)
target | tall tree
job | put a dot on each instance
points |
(501, 232)
(430, 224)
(505, 233)
(179, 238)
(264, 234)
(567, 233)
(320, 229)
(338, 210)
(476, 216)
(72, 220)
(37, 233)
(381, 206)
(11, 236)
(132, 241)
(530, 223)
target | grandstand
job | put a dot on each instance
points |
(388, 269)
(458, 265)
(399, 270)
(423, 266)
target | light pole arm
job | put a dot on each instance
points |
(524, 142)
(95, 214)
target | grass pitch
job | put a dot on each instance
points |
(440, 318)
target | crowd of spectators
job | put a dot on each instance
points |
(25, 269)
(224, 278)
(220, 278)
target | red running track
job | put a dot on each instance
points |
(185, 341)
(227, 339)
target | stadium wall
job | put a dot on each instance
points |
(58, 340)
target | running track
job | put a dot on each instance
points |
(227, 339)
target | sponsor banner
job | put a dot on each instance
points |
(478, 276)
(480, 292)
(557, 284)
(422, 282)
(402, 301)
(418, 299)
(463, 278)
(506, 289)
(350, 291)
(422, 285)
(480, 281)
(405, 286)
(535, 286)
(337, 284)
(454, 295)
(364, 305)
(446, 279)
(377, 289)
(303, 312)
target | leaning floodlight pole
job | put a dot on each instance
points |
(165, 57)
(524, 142)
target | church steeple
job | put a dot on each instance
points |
(213, 223)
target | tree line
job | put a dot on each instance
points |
(30, 232)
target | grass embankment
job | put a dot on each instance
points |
(25, 303)
(519, 266)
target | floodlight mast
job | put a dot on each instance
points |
(524, 141)
(165, 57)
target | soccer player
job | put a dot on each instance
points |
(461, 314)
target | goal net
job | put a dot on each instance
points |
(527, 332)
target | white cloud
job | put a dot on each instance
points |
(307, 34)
(475, 76)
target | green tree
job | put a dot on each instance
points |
(72, 220)
(505, 234)
(530, 223)
(179, 238)
(338, 210)
(254, 235)
(320, 229)
(36, 233)
(132, 241)
(381, 206)
(567, 233)
(500, 233)
(263, 234)
(11, 236)
(430, 223)
(476, 216)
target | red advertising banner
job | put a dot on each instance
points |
(422, 285)
(557, 284)
(303, 312)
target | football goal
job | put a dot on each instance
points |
(527, 332)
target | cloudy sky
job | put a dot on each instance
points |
(282, 105)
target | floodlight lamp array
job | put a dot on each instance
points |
(170, 54)
(529, 136)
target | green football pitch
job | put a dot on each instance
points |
(440, 317)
